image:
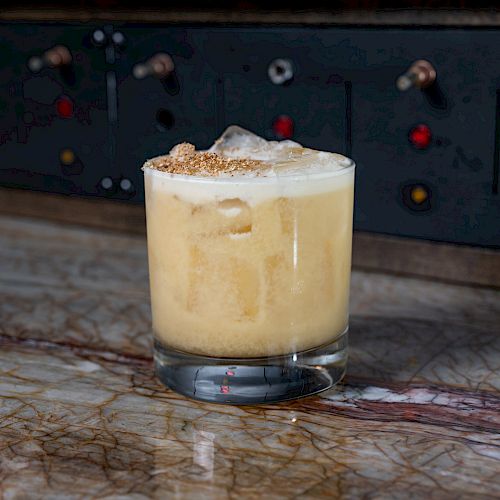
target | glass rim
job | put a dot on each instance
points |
(241, 179)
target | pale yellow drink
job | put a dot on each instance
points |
(251, 265)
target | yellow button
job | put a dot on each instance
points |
(418, 195)
(67, 156)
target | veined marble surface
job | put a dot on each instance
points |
(81, 414)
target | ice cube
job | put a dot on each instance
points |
(274, 271)
(245, 285)
(232, 207)
(237, 142)
(198, 274)
(217, 282)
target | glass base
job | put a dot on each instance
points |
(252, 380)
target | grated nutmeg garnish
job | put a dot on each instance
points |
(184, 159)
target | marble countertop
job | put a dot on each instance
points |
(81, 414)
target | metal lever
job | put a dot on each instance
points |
(56, 57)
(159, 66)
(420, 74)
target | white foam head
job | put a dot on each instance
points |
(289, 170)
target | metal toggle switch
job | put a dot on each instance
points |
(56, 57)
(159, 66)
(420, 74)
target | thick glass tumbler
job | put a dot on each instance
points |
(250, 282)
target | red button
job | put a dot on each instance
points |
(64, 107)
(283, 127)
(420, 136)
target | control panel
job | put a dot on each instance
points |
(418, 109)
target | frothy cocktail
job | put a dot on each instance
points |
(249, 247)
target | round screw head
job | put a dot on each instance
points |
(107, 183)
(126, 185)
(118, 38)
(99, 37)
